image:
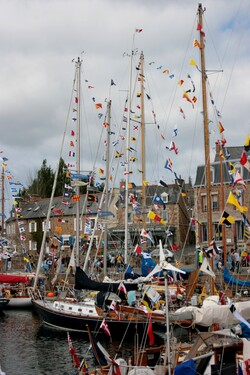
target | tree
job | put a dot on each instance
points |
(42, 184)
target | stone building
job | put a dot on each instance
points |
(222, 172)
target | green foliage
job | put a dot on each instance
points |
(41, 186)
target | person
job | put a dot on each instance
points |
(232, 260)
(200, 257)
(248, 259)
(237, 260)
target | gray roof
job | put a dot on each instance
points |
(39, 209)
(235, 155)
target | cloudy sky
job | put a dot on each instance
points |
(40, 38)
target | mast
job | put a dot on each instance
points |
(143, 137)
(127, 164)
(222, 208)
(206, 133)
(3, 208)
(78, 153)
(107, 191)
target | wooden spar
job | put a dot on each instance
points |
(3, 208)
(78, 153)
(143, 165)
(206, 137)
(222, 208)
(127, 163)
(107, 190)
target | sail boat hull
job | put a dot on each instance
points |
(66, 316)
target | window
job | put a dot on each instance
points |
(75, 224)
(214, 202)
(239, 227)
(32, 226)
(217, 230)
(33, 245)
(130, 218)
(164, 197)
(204, 203)
(43, 225)
(164, 215)
(204, 232)
(36, 209)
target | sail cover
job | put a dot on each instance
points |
(82, 281)
(13, 279)
(230, 280)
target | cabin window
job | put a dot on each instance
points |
(43, 225)
(80, 310)
(32, 226)
(70, 308)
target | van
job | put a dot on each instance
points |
(169, 256)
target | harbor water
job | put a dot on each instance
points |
(27, 347)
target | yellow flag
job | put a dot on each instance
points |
(58, 229)
(232, 200)
(192, 62)
(153, 216)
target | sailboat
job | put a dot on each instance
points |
(74, 312)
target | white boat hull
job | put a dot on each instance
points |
(19, 302)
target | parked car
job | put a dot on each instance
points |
(169, 256)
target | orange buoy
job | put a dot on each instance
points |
(50, 294)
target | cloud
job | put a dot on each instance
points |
(39, 40)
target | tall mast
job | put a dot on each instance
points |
(107, 189)
(78, 154)
(127, 163)
(222, 208)
(143, 137)
(206, 132)
(3, 208)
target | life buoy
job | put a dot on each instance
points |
(201, 298)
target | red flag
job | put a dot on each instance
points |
(150, 331)
(76, 100)
(73, 352)
(105, 327)
(138, 249)
(122, 288)
(98, 105)
(138, 30)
